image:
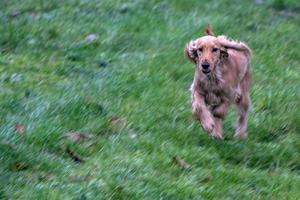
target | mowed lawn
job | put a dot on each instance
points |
(94, 101)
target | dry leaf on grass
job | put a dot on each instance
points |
(74, 156)
(15, 13)
(46, 177)
(19, 166)
(182, 163)
(77, 136)
(206, 179)
(80, 178)
(20, 129)
(118, 122)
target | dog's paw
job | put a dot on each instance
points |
(237, 97)
(241, 135)
(208, 125)
(216, 135)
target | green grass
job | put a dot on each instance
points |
(129, 90)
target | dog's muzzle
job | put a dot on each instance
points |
(205, 67)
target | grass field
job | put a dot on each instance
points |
(115, 72)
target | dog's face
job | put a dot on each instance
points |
(206, 52)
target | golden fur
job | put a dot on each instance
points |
(222, 76)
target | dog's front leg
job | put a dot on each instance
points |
(237, 94)
(201, 112)
(219, 113)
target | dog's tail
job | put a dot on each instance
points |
(208, 30)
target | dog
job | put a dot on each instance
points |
(222, 77)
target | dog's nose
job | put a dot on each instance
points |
(205, 65)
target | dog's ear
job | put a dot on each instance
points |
(190, 51)
(223, 53)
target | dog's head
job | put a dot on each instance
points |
(206, 52)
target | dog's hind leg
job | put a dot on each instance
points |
(243, 107)
(242, 117)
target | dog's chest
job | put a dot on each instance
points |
(213, 92)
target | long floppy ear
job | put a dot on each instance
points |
(190, 51)
(236, 45)
(224, 54)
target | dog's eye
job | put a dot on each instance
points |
(194, 52)
(200, 49)
(214, 49)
